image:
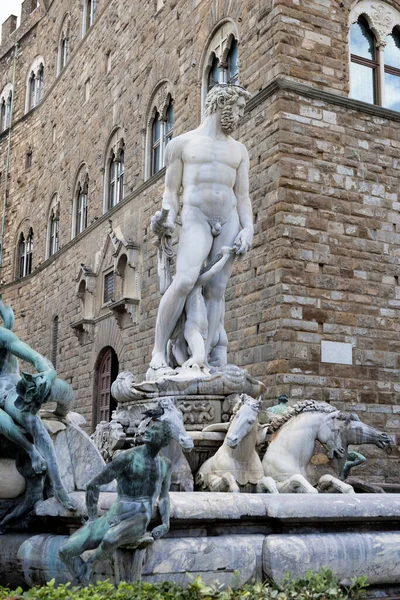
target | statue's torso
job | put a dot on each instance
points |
(209, 173)
(142, 476)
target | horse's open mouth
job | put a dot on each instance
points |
(338, 452)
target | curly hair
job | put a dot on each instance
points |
(222, 95)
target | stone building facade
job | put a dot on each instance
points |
(313, 309)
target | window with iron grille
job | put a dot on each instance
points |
(108, 287)
(54, 342)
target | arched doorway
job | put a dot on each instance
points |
(106, 373)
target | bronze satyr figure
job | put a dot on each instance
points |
(142, 477)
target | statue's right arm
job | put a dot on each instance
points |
(108, 474)
(173, 177)
(45, 369)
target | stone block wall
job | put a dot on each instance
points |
(323, 179)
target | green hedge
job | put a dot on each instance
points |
(314, 586)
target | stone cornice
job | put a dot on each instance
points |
(307, 91)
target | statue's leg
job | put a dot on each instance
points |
(266, 484)
(42, 440)
(61, 393)
(87, 537)
(33, 493)
(194, 246)
(297, 484)
(328, 483)
(128, 532)
(14, 433)
(214, 293)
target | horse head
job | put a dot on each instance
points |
(173, 416)
(244, 417)
(329, 435)
(361, 433)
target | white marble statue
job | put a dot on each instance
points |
(209, 169)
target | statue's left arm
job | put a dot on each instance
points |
(244, 239)
(164, 506)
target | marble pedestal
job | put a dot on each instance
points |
(231, 538)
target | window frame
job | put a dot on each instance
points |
(218, 48)
(24, 254)
(382, 20)
(114, 171)
(80, 200)
(161, 107)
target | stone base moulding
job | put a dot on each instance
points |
(232, 538)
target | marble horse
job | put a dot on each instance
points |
(236, 466)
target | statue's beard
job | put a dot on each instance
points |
(228, 121)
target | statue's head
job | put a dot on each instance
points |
(158, 434)
(283, 399)
(230, 100)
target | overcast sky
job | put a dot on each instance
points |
(9, 7)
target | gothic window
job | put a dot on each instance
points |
(63, 45)
(25, 250)
(375, 54)
(391, 84)
(116, 179)
(80, 206)
(89, 14)
(5, 107)
(114, 171)
(160, 131)
(53, 235)
(3, 115)
(221, 59)
(364, 62)
(35, 83)
(156, 144)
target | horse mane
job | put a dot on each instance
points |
(297, 409)
(245, 399)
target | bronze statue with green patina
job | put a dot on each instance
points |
(142, 477)
(21, 397)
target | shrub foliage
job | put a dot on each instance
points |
(313, 586)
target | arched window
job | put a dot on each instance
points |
(374, 43)
(391, 55)
(63, 45)
(34, 84)
(114, 170)
(89, 14)
(5, 107)
(25, 250)
(53, 233)
(221, 59)
(364, 67)
(160, 130)
(80, 211)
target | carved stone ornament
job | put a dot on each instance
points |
(381, 18)
(198, 412)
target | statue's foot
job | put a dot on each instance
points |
(38, 462)
(65, 499)
(159, 368)
(159, 361)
